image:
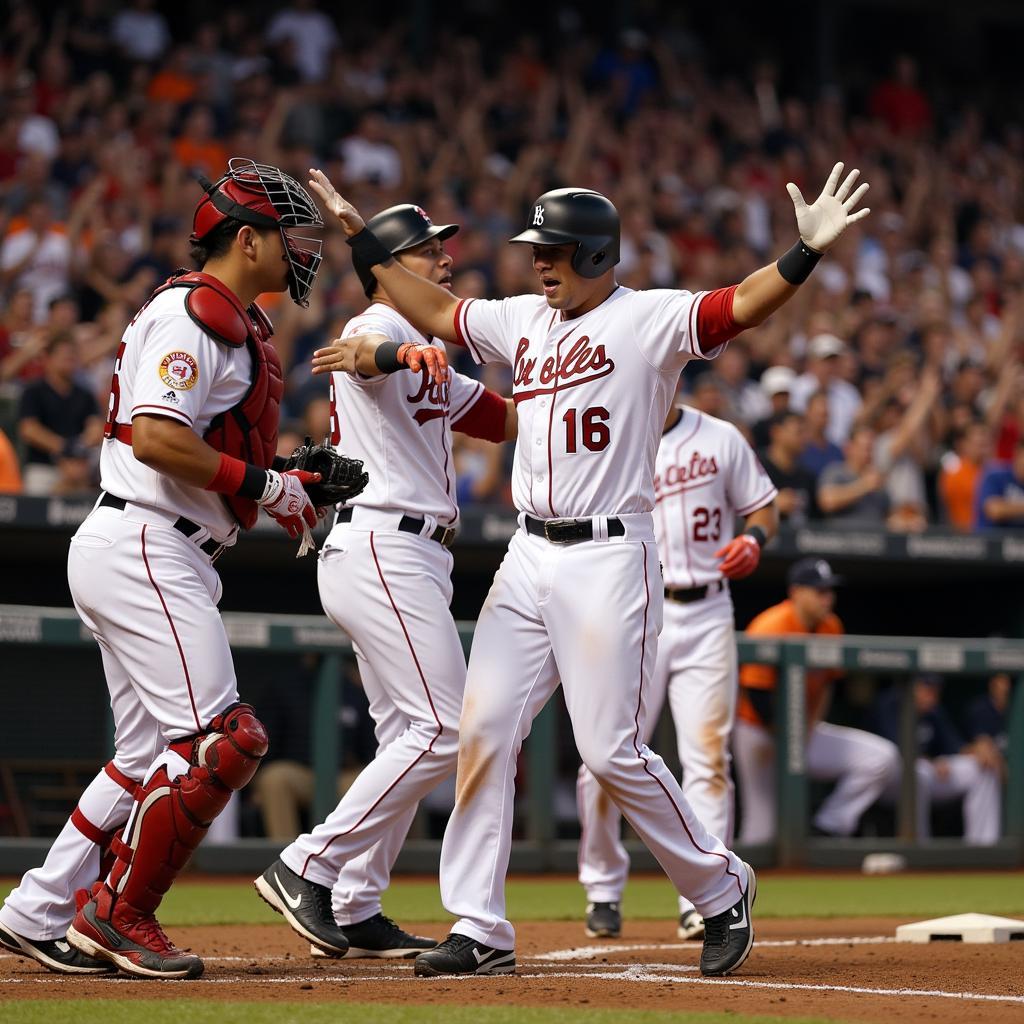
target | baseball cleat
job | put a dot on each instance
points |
(378, 938)
(604, 921)
(109, 929)
(55, 955)
(459, 954)
(691, 925)
(729, 936)
(305, 905)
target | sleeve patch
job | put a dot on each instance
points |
(179, 370)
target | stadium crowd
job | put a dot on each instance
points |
(889, 392)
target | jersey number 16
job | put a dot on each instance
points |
(593, 429)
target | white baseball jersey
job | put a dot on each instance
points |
(588, 431)
(399, 424)
(167, 365)
(706, 474)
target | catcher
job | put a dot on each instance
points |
(385, 579)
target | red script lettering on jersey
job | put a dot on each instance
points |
(580, 365)
(676, 477)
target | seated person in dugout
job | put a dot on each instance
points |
(861, 764)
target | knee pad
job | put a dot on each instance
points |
(173, 814)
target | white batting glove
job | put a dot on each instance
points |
(830, 214)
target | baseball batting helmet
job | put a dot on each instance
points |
(577, 215)
(398, 228)
(265, 197)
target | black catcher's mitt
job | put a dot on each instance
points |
(341, 478)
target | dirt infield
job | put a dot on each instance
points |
(842, 969)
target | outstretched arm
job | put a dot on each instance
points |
(820, 225)
(428, 306)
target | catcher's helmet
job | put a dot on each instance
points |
(398, 228)
(265, 197)
(576, 215)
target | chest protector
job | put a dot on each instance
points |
(248, 430)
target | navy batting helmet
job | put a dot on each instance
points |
(576, 215)
(398, 228)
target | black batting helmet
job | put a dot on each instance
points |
(398, 228)
(577, 215)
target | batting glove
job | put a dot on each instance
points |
(830, 214)
(740, 557)
(286, 500)
(418, 356)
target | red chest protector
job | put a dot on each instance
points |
(248, 430)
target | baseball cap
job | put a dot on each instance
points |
(813, 572)
(777, 379)
(822, 346)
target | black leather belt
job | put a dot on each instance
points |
(209, 547)
(682, 596)
(568, 531)
(444, 535)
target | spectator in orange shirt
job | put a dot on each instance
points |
(10, 474)
(961, 471)
(197, 148)
(861, 764)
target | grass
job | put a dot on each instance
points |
(109, 1011)
(811, 895)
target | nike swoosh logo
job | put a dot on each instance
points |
(742, 923)
(293, 901)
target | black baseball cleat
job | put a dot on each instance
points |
(379, 938)
(459, 954)
(55, 955)
(691, 925)
(729, 936)
(604, 921)
(305, 905)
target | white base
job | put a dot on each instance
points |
(962, 928)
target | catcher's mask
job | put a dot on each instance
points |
(265, 197)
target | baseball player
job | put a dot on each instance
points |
(861, 764)
(705, 475)
(190, 438)
(578, 597)
(385, 579)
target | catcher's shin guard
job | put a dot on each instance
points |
(172, 815)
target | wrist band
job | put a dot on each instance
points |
(796, 265)
(234, 476)
(758, 534)
(369, 248)
(386, 357)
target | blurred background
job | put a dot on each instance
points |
(898, 366)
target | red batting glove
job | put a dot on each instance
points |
(287, 502)
(740, 557)
(418, 356)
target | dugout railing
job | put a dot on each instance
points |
(540, 849)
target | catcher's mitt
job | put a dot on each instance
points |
(341, 478)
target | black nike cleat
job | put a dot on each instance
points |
(459, 954)
(305, 905)
(604, 921)
(729, 936)
(379, 938)
(54, 954)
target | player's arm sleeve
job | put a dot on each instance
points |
(486, 328)
(372, 325)
(672, 326)
(749, 486)
(476, 411)
(176, 369)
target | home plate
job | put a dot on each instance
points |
(962, 928)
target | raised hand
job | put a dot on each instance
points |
(337, 204)
(832, 212)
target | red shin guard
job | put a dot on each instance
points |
(173, 815)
